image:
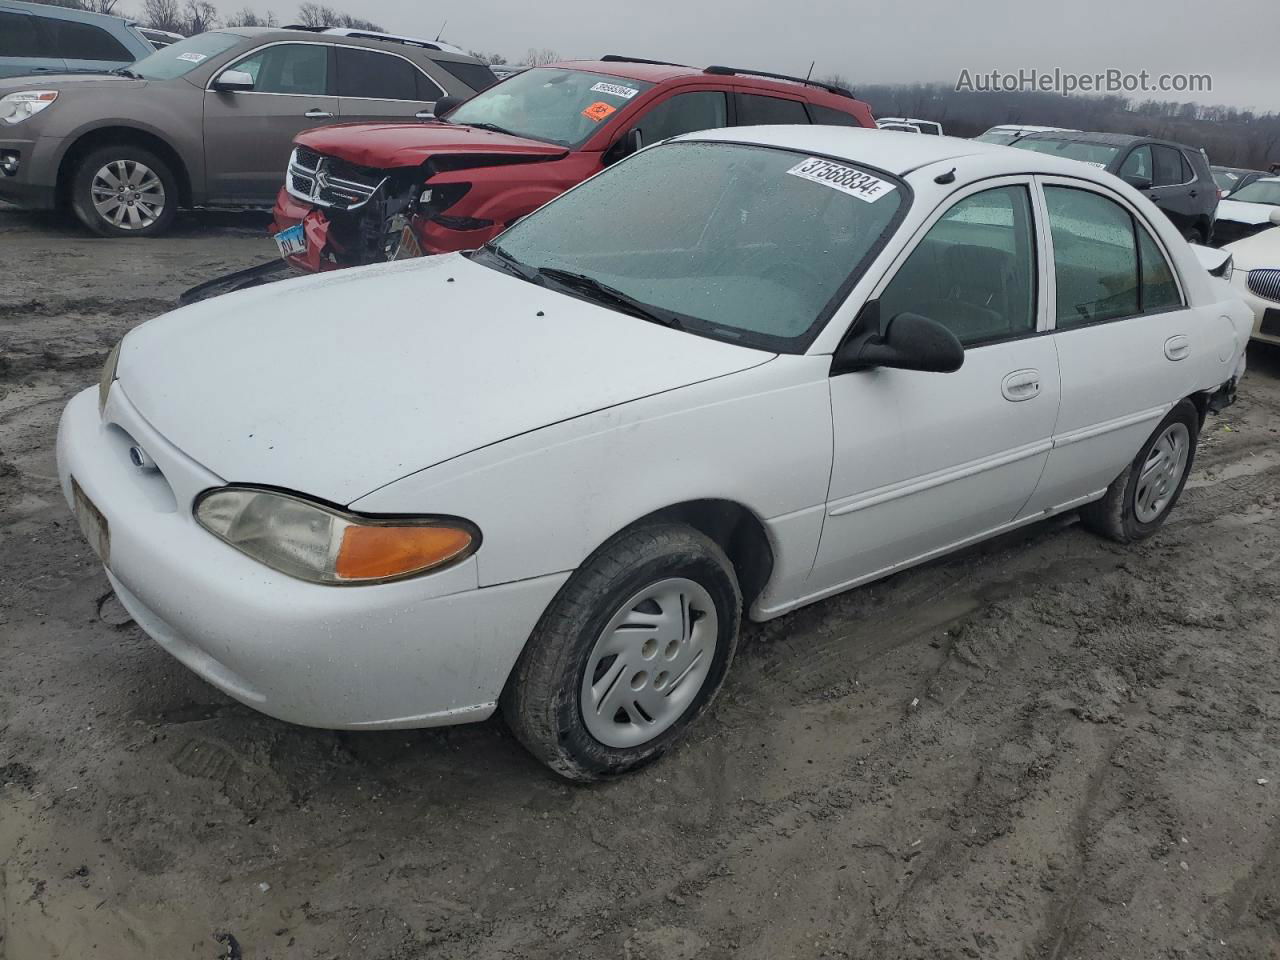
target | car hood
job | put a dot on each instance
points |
(1260, 250)
(57, 81)
(339, 384)
(1242, 212)
(387, 145)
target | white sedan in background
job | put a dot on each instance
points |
(1256, 276)
(734, 374)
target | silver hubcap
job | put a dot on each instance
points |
(1162, 472)
(649, 663)
(128, 194)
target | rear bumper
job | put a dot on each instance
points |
(34, 186)
(423, 652)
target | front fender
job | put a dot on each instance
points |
(545, 500)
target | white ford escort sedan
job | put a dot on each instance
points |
(734, 374)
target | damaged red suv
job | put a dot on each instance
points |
(363, 193)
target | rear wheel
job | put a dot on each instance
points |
(1139, 500)
(124, 191)
(631, 651)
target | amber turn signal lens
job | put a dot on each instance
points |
(380, 553)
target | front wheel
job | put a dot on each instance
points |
(631, 651)
(124, 191)
(1138, 501)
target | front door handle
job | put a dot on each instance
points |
(428, 114)
(1177, 348)
(1021, 385)
(316, 113)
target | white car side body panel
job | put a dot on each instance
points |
(546, 500)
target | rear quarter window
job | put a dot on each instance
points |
(83, 41)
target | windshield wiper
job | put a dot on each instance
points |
(493, 127)
(603, 293)
(126, 72)
(517, 267)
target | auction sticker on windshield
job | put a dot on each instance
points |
(599, 110)
(192, 57)
(845, 179)
(615, 90)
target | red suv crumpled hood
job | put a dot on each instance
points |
(387, 145)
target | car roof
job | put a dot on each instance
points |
(359, 39)
(53, 12)
(655, 71)
(896, 153)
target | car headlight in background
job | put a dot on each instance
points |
(108, 377)
(322, 544)
(16, 107)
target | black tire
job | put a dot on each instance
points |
(1115, 516)
(542, 702)
(82, 191)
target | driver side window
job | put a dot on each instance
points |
(293, 68)
(684, 113)
(974, 271)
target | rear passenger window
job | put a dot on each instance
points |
(974, 271)
(1094, 256)
(1159, 289)
(19, 36)
(1138, 164)
(477, 76)
(835, 118)
(684, 113)
(370, 75)
(83, 41)
(754, 110)
(1168, 162)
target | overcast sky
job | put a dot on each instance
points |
(874, 40)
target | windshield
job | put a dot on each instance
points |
(1260, 191)
(550, 104)
(747, 244)
(1004, 138)
(179, 59)
(1225, 179)
(1094, 154)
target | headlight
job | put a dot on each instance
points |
(108, 377)
(1227, 269)
(322, 544)
(16, 107)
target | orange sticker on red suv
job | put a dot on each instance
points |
(599, 110)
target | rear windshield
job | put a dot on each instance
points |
(550, 104)
(179, 59)
(1094, 154)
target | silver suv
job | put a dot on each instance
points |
(208, 121)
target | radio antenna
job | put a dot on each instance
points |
(442, 26)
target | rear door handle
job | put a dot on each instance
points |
(317, 114)
(1021, 385)
(1177, 348)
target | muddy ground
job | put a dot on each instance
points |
(1091, 767)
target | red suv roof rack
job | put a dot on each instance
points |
(617, 58)
(737, 71)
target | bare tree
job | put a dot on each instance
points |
(249, 18)
(162, 15)
(536, 58)
(489, 58)
(321, 15)
(200, 15)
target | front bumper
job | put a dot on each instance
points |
(34, 186)
(423, 652)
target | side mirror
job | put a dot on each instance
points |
(909, 342)
(625, 146)
(1275, 216)
(1137, 181)
(447, 105)
(231, 81)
